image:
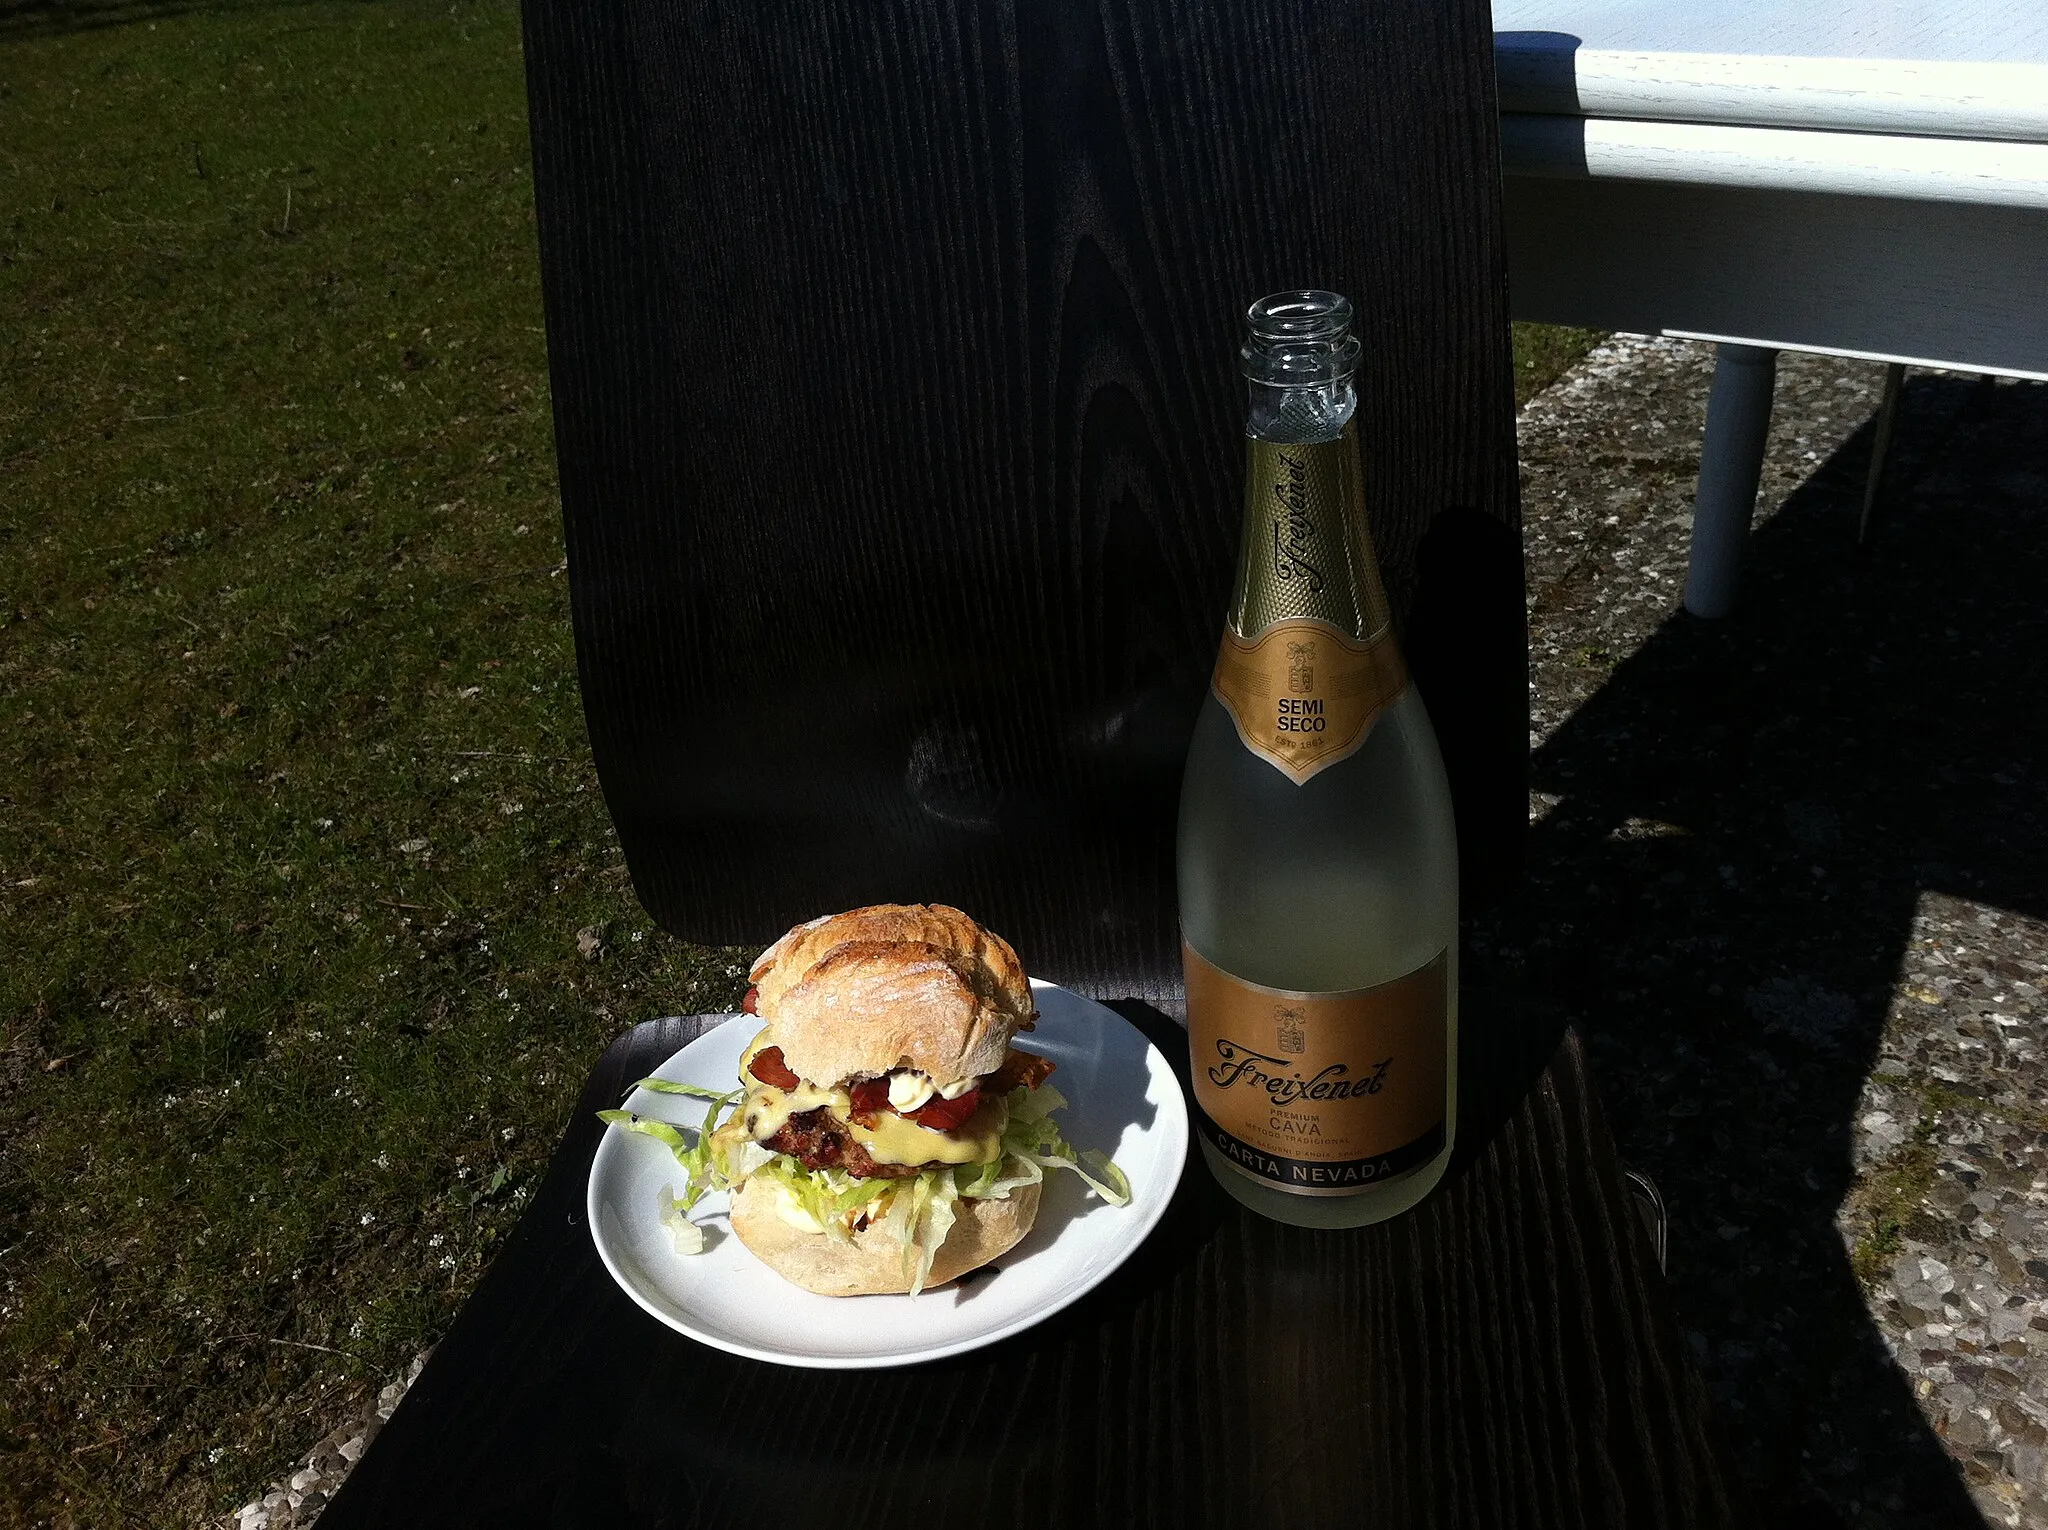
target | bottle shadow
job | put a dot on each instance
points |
(1722, 898)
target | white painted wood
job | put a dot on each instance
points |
(1861, 177)
(1779, 159)
(1956, 31)
(1551, 72)
(1928, 283)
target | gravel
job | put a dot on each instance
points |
(297, 1501)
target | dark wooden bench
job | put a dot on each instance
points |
(1503, 1356)
(893, 347)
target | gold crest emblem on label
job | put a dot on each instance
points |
(1304, 695)
(1318, 1093)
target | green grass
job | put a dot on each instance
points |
(297, 823)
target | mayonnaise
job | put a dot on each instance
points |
(908, 1090)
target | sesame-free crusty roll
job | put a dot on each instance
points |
(892, 986)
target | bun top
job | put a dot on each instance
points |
(892, 986)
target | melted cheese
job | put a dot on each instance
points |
(765, 1108)
(894, 1140)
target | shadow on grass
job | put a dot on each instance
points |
(1751, 812)
(43, 18)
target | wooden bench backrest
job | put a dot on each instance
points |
(893, 346)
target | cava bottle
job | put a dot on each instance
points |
(1317, 857)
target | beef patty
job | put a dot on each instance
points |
(817, 1141)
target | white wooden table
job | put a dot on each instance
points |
(1856, 177)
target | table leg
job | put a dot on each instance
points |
(1887, 415)
(1731, 461)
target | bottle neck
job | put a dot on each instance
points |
(1292, 413)
(1307, 553)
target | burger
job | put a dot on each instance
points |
(886, 1136)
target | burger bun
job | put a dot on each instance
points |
(871, 1262)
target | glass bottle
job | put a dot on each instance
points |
(1317, 855)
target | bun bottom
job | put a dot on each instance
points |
(871, 1264)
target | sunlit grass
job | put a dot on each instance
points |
(297, 826)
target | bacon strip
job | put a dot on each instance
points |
(870, 1096)
(1025, 1068)
(939, 1115)
(770, 1069)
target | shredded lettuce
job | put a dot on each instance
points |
(830, 1197)
(687, 1236)
(669, 1086)
(1032, 1138)
(934, 1223)
(694, 1158)
(917, 1212)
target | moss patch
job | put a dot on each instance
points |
(1545, 352)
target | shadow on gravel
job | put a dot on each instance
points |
(1720, 902)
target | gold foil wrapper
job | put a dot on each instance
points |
(1318, 1093)
(1307, 553)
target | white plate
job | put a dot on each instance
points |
(1122, 1098)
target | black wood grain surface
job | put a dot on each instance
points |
(893, 345)
(1501, 1357)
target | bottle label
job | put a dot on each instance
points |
(1304, 695)
(1318, 1093)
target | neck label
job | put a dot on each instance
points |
(1304, 695)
